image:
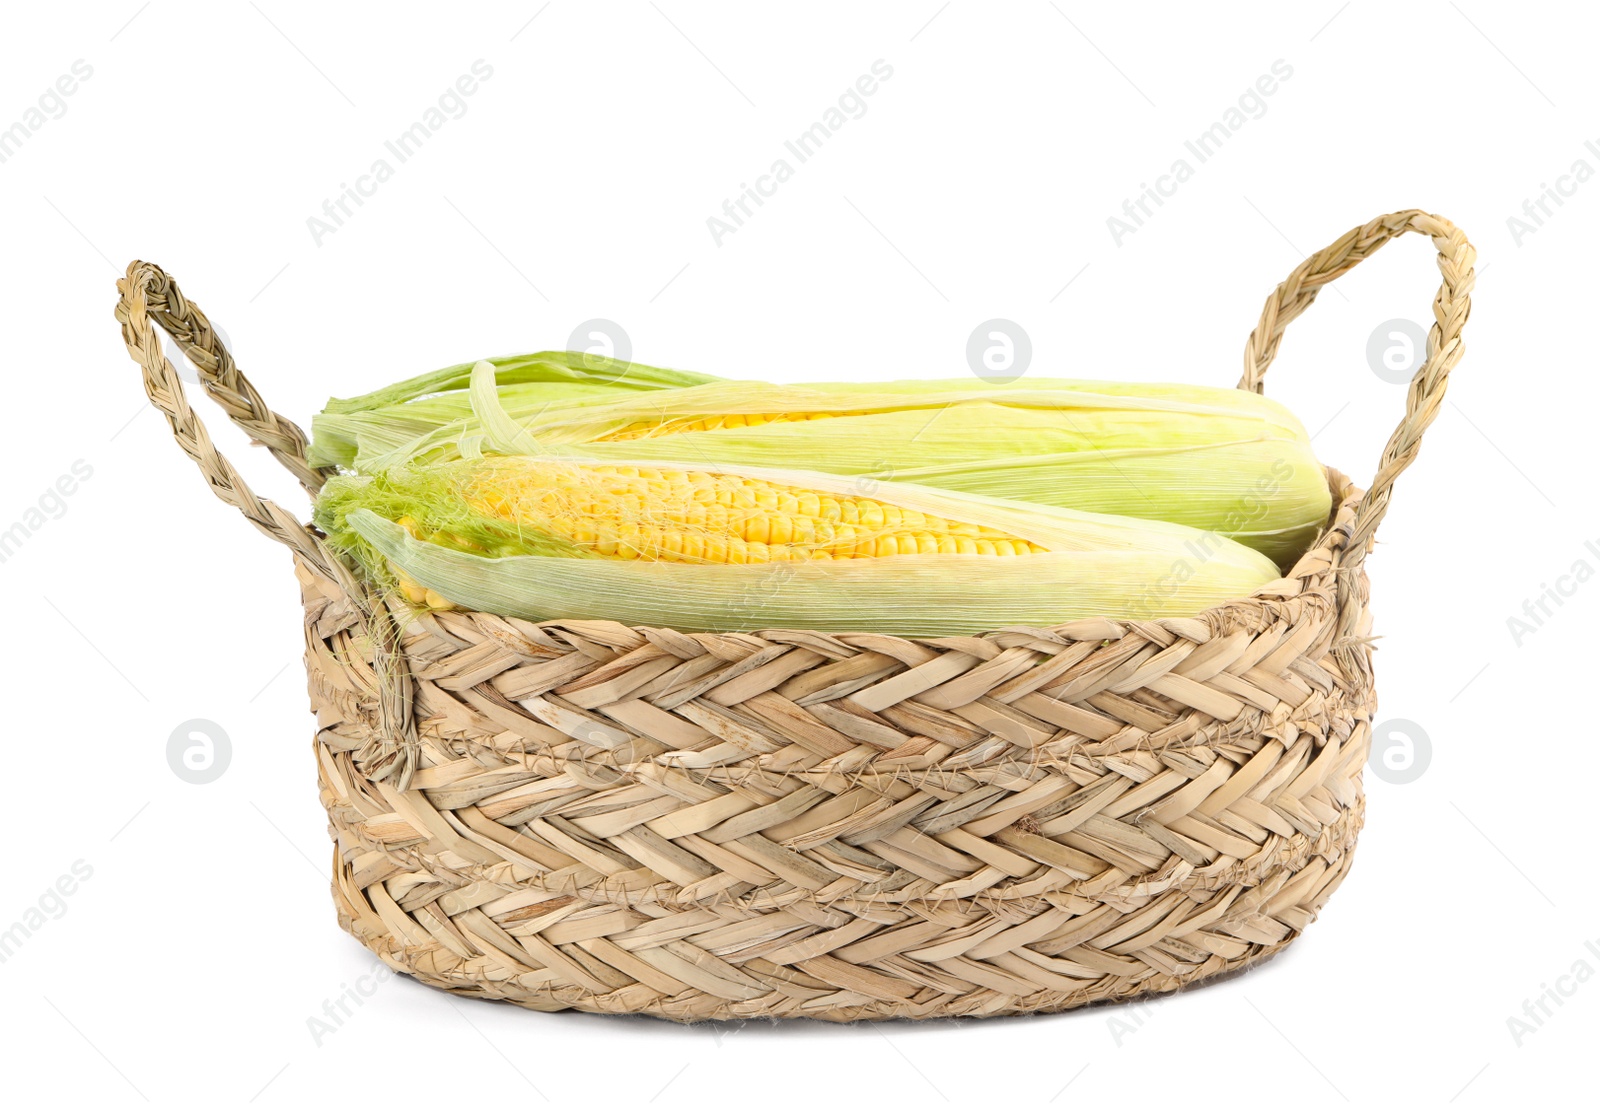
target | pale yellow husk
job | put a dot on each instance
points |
(1076, 565)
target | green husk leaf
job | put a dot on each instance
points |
(389, 417)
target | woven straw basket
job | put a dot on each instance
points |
(841, 826)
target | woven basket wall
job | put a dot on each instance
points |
(841, 826)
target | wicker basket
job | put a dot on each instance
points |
(840, 826)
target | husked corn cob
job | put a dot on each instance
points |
(688, 548)
(1236, 463)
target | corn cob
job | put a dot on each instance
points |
(688, 548)
(1232, 462)
(1219, 460)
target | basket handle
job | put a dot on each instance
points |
(148, 294)
(1450, 309)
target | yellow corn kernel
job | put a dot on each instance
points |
(638, 431)
(414, 593)
(630, 543)
(700, 517)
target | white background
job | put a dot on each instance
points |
(977, 184)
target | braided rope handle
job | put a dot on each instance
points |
(148, 295)
(1426, 394)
